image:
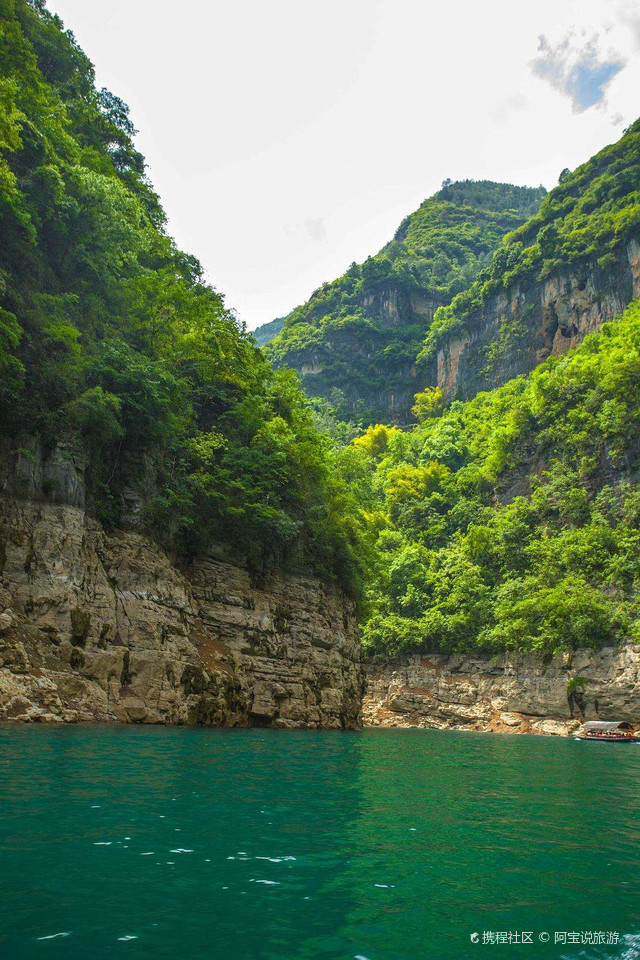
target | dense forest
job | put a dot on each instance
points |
(356, 340)
(512, 520)
(111, 341)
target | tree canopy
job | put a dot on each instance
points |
(512, 521)
(110, 340)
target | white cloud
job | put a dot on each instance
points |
(577, 68)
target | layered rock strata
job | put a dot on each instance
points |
(520, 327)
(526, 693)
(102, 627)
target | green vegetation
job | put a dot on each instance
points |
(363, 331)
(575, 694)
(111, 341)
(511, 520)
(267, 331)
(585, 221)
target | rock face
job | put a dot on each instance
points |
(375, 378)
(509, 335)
(519, 328)
(524, 693)
(356, 340)
(99, 627)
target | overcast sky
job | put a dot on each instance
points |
(288, 138)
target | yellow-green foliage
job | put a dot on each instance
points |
(428, 403)
(376, 439)
(513, 520)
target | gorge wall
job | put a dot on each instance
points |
(364, 362)
(98, 626)
(519, 328)
(356, 340)
(517, 693)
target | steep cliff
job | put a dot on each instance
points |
(355, 341)
(98, 626)
(136, 411)
(570, 268)
(520, 327)
(517, 693)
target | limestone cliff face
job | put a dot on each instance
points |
(519, 328)
(374, 377)
(393, 304)
(97, 626)
(525, 693)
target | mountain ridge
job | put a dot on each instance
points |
(565, 271)
(356, 339)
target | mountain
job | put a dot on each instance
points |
(176, 543)
(356, 340)
(508, 518)
(569, 268)
(267, 331)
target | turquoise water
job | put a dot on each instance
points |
(248, 844)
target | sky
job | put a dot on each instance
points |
(289, 138)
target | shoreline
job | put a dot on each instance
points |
(506, 693)
(521, 726)
(55, 723)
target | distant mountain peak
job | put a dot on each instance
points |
(355, 340)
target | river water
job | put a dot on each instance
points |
(208, 844)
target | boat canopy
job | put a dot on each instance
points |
(606, 725)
